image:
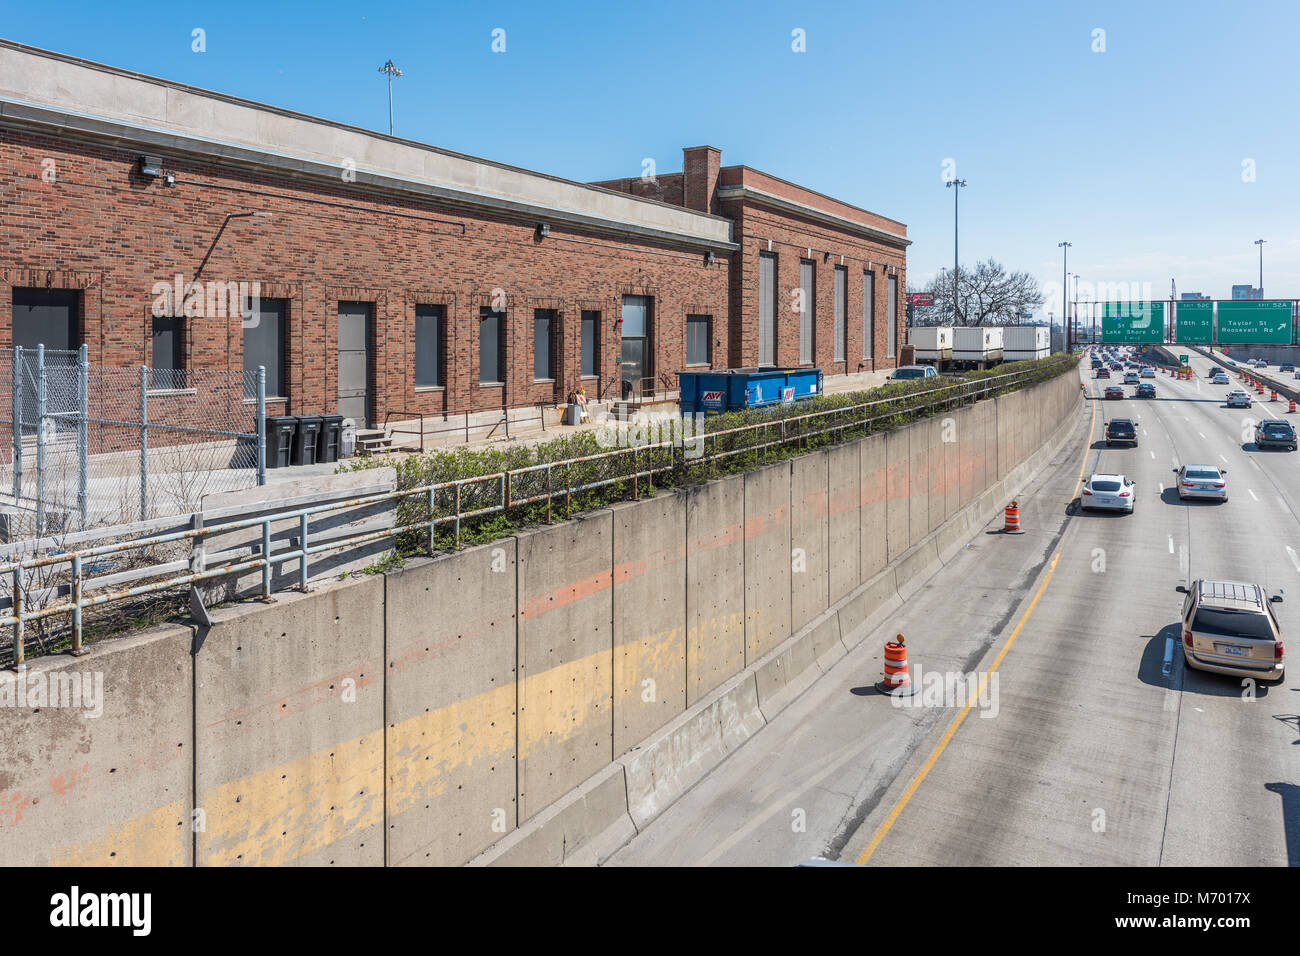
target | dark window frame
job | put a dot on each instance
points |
(592, 316)
(485, 313)
(439, 314)
(180, 351)
(550, 316)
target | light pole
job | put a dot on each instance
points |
(958, 183)
(1065, 291)
(1260, 243)
(391, 69)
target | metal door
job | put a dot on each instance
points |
(354, 361)
(48, 317)
(635, 329)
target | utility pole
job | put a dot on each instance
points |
(1260, 243)
(391, 69)
(958, 184)
(1065, 308)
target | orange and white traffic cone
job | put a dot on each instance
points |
(1012, 525)
(1274, 398)
(1291, 406)
(896, 682)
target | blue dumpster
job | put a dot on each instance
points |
(727, 390)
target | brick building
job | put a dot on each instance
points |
(387, 277)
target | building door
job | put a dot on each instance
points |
(49, 317)
(637, 359)
(355, 327)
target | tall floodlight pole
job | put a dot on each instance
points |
(391, 69)
(958, 183)
(1065, 291)
(1260, 243)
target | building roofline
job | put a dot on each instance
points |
(64, 118)
(814, 192)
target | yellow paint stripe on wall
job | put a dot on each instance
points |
(156, 838)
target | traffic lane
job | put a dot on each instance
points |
(1064, 774)
(803, 785)
(1233, 759)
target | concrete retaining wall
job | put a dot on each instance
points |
(530, 701)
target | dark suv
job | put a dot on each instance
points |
(1121, 430)
(1274, 434)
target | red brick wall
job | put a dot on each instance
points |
(104, 229)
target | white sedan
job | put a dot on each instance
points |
(1108, 493)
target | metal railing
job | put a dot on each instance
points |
(495, 493)
(504, 421)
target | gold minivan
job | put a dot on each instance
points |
(1229, 628)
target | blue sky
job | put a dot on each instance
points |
(1134, 154)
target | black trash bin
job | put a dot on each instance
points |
(279, 440)
(327, 443)
(304, 441)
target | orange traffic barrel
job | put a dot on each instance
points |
(1012, 525)
(897, 681)
(1259, 388)
(1291, 405)
(1274, 398)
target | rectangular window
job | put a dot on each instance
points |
(167, 352)
(766, 308)
(868, 313)
(491, 345)
(590, 338)
(807, 310)
(428, 345)
(698, 339)
(891, 320)
(841, 296)
(264, 345)
(543, 344)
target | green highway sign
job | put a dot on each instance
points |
(1245, 321)
(1133, 322)
(1195, 322)
(1182, 359)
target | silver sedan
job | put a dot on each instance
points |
(1203, 481)
(1108, 493)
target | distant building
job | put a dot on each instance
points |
(1247, 292)
(1198, 297)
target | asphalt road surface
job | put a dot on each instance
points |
(1088, 748)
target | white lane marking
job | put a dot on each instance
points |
(1169, 657)
(1171, 544)
(1153, 456)
(1171, 699)
(1252, 493)
(1222, 459)
(1144, 432)
(1282, 504)
(1161, 484)
(1202, 434)
(1295, 558)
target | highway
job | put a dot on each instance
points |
(1092, 751)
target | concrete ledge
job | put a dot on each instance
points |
(675, 759)
(858, 611)
(916, 566)
(581, 829)
(792, 668)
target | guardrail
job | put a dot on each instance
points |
(487, 494)
(504, 420)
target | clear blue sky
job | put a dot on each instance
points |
(1133, 154)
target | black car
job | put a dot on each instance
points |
(1288, 367)
(1146, 390)
(1275, 434)
(1121, 431)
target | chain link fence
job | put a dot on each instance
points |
(94, 446)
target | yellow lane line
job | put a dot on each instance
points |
(889, 821)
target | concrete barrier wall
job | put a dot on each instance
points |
(530, 701)
(715, 584)
(767, 559)
(288, 718)
(450, 696)
(565, 653)
(809, 538)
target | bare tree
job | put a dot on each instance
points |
(986, 295)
